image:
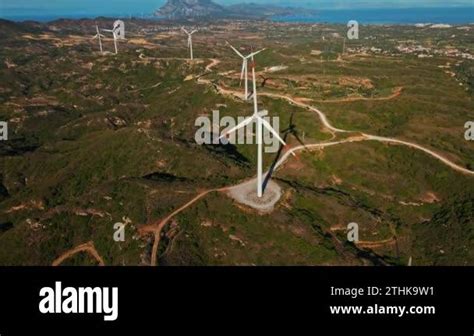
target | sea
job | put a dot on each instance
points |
(452, 15)
(144, 9)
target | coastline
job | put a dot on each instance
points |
(369, 16)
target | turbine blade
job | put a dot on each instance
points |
(256, 53)
(236, 51)
(242, 74)
(267, 125)
(182, 28)
(239, 126)
(194, 31)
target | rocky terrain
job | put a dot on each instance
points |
(186, 9)
(175, 9)
(99, 139)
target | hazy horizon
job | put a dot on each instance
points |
(323, 4)
(31, 9)
(358, 4)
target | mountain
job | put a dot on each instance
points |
(178, 9)
(186, 9)
(253, 10)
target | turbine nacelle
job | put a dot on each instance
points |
(189, 33)
(98, 35)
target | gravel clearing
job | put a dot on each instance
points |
(246, 194)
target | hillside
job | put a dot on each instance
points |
(188, 9)
(96, 139)
(176, 9)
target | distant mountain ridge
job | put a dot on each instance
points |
(177, 9)
(188, 9)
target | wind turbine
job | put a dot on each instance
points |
(258, 118)
(244, 73)
(99, 36)
(190, 40)
(118, 31)
(113, 31)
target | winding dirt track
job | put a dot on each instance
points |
(396, 93)
(331, 128)
(214, 62)
(426, 150)
(294, 101)
(375, 244)
(86, 247)
(158, 226)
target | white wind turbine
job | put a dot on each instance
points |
(244, 73)
(258, 118)
(99, 36)
(114, 32)
(190, 40)
(118, 31)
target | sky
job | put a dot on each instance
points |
(323, 4)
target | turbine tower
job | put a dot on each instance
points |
(99, 36)
(244, 73)
(190, 41)
(115, 41)
(258, 118)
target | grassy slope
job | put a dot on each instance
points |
(86, 160)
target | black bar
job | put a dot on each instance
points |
(202, 299)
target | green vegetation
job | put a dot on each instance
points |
(97, 139)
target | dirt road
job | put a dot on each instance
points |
(396, 93)
(158, 226)
(86, 247)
